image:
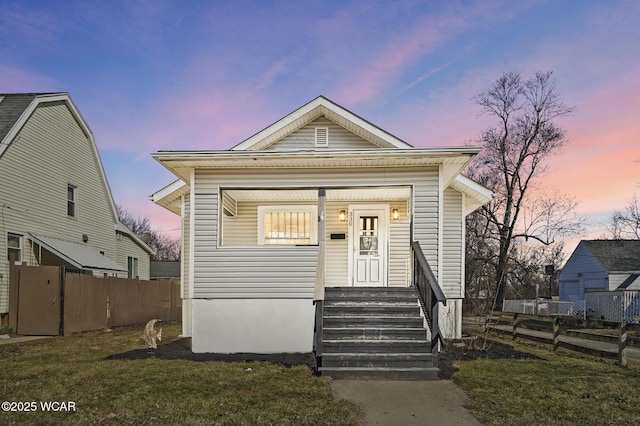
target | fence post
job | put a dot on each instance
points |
(556, 333)
(622, 343)
(515, 325)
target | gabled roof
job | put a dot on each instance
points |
(11, 108)
(616, 255)
(123, 229)
(320, 107)
(254, 153)
(15, 110)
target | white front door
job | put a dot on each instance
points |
(368, 236)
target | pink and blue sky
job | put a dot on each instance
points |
(179, 75)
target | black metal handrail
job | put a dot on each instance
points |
(429, 294)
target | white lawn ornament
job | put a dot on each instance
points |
(150, 335)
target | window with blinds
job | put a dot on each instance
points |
(287, 225)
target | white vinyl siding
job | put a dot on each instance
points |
(336, 251)
(49, 152)
(229, 205)
(399, 246)
(126, 247)
(452, 248)
(186, 243)
(207, 280)
(305, 138)
(258, 272)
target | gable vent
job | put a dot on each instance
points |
(322, 136)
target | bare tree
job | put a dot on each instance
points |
(549, 218)
(513, 155)
(165, 248)
(625, 224)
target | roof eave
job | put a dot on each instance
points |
(181, 163)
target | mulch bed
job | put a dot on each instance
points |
(455, 351)
(180, 349)
(459, 351)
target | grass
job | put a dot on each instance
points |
(153, 391)
(558, 389)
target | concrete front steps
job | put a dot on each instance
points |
(374, 332)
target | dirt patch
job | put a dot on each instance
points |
(460, 351)
(180, 349)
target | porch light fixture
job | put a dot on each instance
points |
(395, 214)
(342, 216)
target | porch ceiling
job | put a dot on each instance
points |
(311, 195)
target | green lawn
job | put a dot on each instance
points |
(153, 391)
(559, 389)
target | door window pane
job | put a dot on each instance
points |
(368, 234)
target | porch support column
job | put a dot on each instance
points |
(318, 293)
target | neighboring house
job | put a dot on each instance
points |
(601, 265)
(319, 199)
(56, 207)
(165, 270)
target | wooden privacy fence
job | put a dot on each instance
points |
(46, 300)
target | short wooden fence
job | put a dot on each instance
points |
(623, 332)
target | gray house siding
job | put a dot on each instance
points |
(126, 247)
(186, 247)
(304, 138)
(209, 279)
(452, 245)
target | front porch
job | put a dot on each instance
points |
(363, 234)
(312, 244)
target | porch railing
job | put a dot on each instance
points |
(429, 294)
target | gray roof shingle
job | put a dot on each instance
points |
(616, 255)
(11, 108)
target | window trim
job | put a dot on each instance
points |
(73, 202)
(20, 238)
(133, 265)
(292, 208)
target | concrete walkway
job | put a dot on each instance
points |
(19, 339)
(429, 402)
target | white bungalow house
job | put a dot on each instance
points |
(56, 207)
(321, 223)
